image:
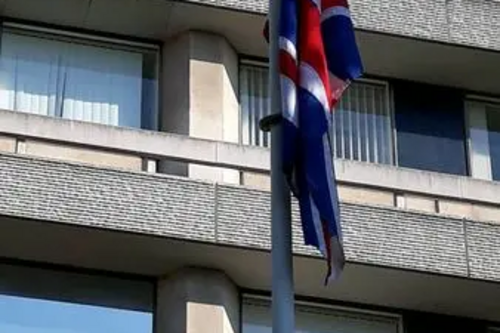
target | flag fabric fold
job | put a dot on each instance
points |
(318, 60)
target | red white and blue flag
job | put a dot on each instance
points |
(318, 60)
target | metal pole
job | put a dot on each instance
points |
(283, 307)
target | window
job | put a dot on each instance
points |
(317, 319)
(28, 315)
(55, 74)
(483, 119)
(430, 127)
(362, 124)
(254, 104)
(61, 302)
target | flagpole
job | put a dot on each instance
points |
(283, 305)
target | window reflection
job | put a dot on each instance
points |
(28, 315)
(37, 299)
(361, 122)
(255, 104)
(316, 319)
(48, 75)
(484, 140)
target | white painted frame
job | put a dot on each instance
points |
(470, 101)
(330, 307)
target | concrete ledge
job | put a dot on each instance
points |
(7, 144)
(126, 140)
(416, 181)
(82, 155)
(373, 235)
(157, 145)
(449, 22)
(136, 202)
(182, 208)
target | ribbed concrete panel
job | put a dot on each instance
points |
(474, 23)
(258, 6)
(373, 235)
(399, 238)
(231, 215)
(137, 202)
(466, 22)
(403, 17)
(243, 217)
(483, 241)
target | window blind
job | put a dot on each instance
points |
(361, 122)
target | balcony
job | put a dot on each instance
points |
(69, 175)
(443, 21)
(429, 221)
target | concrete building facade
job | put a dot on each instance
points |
(134, 181)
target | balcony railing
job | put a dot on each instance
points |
(358, 181)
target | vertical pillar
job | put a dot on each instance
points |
(200, 96)
(195, 300)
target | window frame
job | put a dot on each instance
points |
(484, 101)
(328, 308)
(65, 275)
(389, 100)
(79, 288)
(93, 38)
(249, 62)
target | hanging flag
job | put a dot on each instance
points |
(318, 60)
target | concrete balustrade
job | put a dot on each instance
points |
(134, 149)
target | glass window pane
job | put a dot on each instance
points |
(46, 75)
(62, 301)
(430, 127)
(27, 315)
(254, 104)
(317, 319)
(479, 146)
(484, 139)
(361, 124)
(493, 120)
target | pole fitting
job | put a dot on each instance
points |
(268, 122)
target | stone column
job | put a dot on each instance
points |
(200, 96)
(195, 300)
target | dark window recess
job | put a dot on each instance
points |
(431, 323)
(430, 128)
(493, 121)
(42, 299)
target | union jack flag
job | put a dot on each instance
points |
(318, 60)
